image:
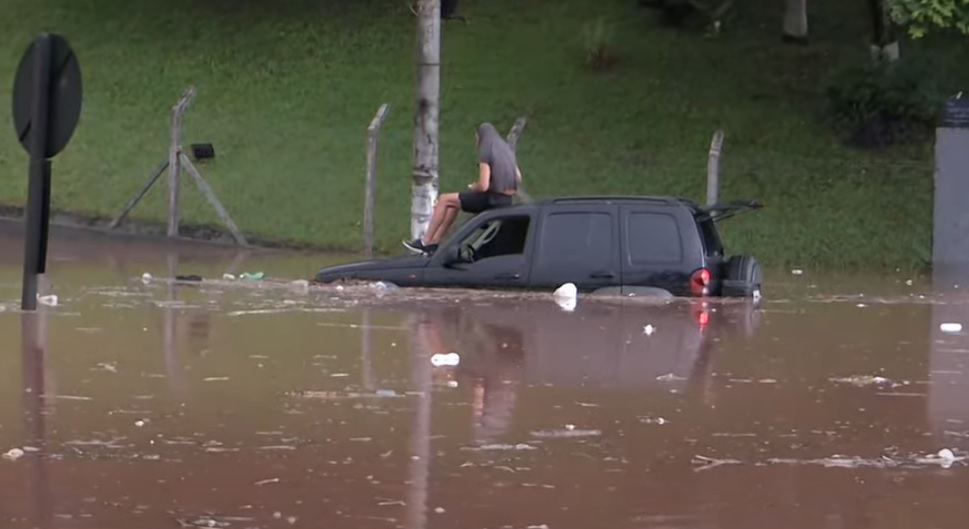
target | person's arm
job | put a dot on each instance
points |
(484, 178)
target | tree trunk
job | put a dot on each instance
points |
(884, 40)
(796, 21)
(425, 175)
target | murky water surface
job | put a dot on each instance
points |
(247, 404)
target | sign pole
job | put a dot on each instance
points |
(36, 176)
(46, 108)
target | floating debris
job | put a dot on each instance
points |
(340, 395)
(951, 327)
(13, 454)
(50, 301)
(862, 380)
(709, 462)
(67, 397)
(566, 433)
(519, 446)
(210, 521)
(944, 458)
(568, 290)
(109, 367)
(449, 359)
(565, 296)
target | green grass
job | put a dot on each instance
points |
(286, 90)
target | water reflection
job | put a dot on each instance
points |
(948, 399)
(33, 339)
(606, 344)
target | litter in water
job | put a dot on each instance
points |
(449, 359)
(566, 433)
(13, 454)
(566, 291)
(252, 276)
(566, 304)
(951, 327)
(862, 380)
(50, 301)
(519, 446)
(649, 330)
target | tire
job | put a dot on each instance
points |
(742, 278)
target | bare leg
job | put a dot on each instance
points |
(436, 218)
(449, 215)
(444, 202)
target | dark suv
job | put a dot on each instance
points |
(624, 245)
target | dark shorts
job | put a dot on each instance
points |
(479, 201)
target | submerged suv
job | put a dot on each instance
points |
(624, 245)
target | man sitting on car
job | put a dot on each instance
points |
(498, 180)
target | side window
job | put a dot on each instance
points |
(498, 237)
(653, 238)
(579, 237)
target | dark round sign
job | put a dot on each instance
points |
(63, 90)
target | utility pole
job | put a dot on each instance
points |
(425, 186)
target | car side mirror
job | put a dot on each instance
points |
(451, 256)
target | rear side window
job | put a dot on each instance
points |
(653, 238)
(581, 237)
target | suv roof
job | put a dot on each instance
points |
(654, 200)
(716, 212)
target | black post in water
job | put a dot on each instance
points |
(35, 184)
(46, 108)
(45, 221)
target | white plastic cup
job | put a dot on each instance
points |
(951, 327)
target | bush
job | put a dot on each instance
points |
(882, 103)
(599, 44)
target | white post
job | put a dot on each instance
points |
(425, 186)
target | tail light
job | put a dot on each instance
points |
(700, 282)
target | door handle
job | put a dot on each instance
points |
(602, 275)
(508, 275)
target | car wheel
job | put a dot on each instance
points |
(742, 278)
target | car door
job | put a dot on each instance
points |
(502, 242)
(577, 244)
(652, 248)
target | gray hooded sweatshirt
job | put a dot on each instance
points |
(495, 151)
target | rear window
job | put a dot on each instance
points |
(572, 238)
(653, 238)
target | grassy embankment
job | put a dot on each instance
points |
(287, 88)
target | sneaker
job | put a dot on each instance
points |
(416, 246)
(429, 249)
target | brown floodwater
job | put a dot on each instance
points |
(259, 404)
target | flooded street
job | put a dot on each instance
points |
(260, 404)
